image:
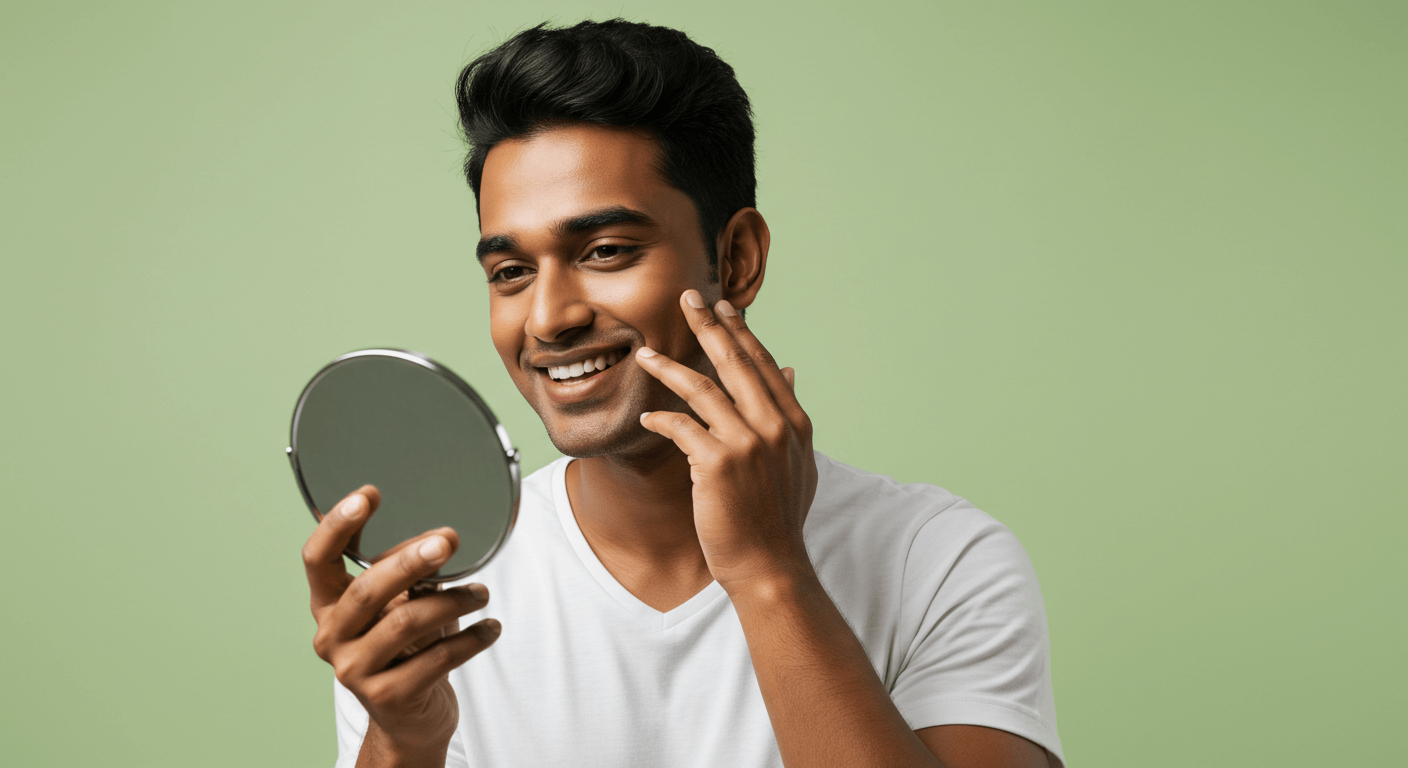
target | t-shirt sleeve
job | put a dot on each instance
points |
(351, 724)
(352, 728)
(980, 653)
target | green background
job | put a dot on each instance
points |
(1131, 278)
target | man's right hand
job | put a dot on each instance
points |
(394, 653)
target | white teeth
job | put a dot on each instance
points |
(590, 365)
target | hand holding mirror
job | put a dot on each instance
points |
(409, 426)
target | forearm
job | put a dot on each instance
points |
(826, 704)
(378, 751)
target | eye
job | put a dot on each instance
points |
(508, 274)
(607, 252)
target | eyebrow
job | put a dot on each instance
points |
(604, 217)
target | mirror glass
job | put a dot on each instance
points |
(402, 422)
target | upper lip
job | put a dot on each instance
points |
(576, 356)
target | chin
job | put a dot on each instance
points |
(585, 435)
(591, 443)
(591, 435)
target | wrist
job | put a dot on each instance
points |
(379, 749)
(774, 589)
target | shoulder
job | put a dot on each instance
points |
(943, 597)
(890, 553)
(872, 513)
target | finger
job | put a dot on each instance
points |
(322, 554)
(415, 625)
(430, 664)
(779, 384)
(735, 365)
(444, 630)
(393, 549)
(396, 602)
(696, 441)
(791, 376)
(427, 639)
(369, 593)
(703, 394)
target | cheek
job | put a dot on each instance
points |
(649, 302)
(656, 316)
(506, 332)
(673, 336)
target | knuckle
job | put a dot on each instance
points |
(774, 432)
(358, 593)
(739, 357)
(401, 622)
(716, 457)
(804, 427)
(709, 320)
(751, 444)
(310, 555)
(376, 691)
(764, 358)
(410, 561)
(440, 655)
(343, 670)
(702, 385)
(680, 421)
(323, 645)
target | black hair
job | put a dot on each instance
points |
(622, 74)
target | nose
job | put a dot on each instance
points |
(558, 304)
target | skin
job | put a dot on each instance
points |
(695, 464)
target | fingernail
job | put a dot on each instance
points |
(726, 309)
(646, 352)
(693, 299)
(354, 506)
(479, 591)
(643, 415)
(434, 548)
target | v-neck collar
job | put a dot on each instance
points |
(632, 604)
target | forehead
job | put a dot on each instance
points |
(529, 183)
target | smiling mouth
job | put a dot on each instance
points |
(585, 368)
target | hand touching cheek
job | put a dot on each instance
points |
(752, 467)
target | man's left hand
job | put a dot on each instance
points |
(752, 467)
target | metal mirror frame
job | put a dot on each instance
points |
(511, 455)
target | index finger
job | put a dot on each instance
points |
(777, 380)
(737, 372)
(322, 554)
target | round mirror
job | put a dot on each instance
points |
(412, 428)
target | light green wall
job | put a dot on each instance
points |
(1130, 278)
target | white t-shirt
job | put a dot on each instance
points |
(943, 598)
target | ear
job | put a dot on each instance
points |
(743, 257)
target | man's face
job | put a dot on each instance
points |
(587, 250)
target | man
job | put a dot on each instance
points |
(662, 601)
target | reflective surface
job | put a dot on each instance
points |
(407, 425)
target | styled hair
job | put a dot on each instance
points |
(622, 74)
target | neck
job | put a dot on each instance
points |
(637, 513)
